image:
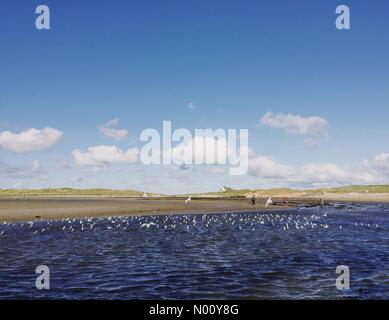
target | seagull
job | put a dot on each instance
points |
(269, 201)
(189, 199)
(147, 225)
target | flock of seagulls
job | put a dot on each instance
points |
(285, 221)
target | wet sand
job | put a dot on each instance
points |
(23, 209)
(33, 208)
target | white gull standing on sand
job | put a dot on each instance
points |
(269, 201)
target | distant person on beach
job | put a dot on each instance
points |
(253, 200)
(286, 202)
(269, 201)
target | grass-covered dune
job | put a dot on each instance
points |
(226, 193)
(70, 192)
(365, 189)
(356, 189)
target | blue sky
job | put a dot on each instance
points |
(143, 62)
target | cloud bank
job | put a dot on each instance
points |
(375, 171)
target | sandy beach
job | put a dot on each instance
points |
(45, 208)
(32, 208)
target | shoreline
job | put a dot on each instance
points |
(23, 208)
(13, 209)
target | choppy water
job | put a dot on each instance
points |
(280, 255)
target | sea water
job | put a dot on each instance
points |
(284, 254)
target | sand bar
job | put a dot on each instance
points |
(33, 208)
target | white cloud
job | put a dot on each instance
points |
(30, 139)
(102, 156)
(296, 124)
(108, 131)
(268, 167)
(320, 174)
(379, 162)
